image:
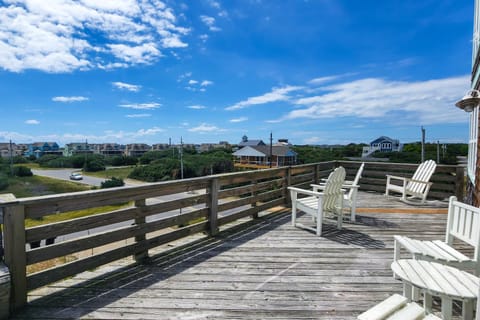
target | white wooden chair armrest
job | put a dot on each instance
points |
(396, 177)
(307, 192)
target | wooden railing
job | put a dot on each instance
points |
(158, 213)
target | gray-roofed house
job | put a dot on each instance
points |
(245, 142)
(259, 156)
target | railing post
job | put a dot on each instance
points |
(315, 173)
(15, 253)
(288, 182)
(213, 206)
(460, 183)
(254, 195)
(142, 256)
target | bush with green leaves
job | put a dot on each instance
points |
(112, 183)
(117, 161)
(22, 171)
(3, 181)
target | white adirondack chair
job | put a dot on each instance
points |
(415, 187)
(463, 223)
(350, 197)
(318, 204)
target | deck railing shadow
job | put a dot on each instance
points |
(125, 281)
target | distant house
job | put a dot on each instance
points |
(382, 144)
(75, 148)
(245, 142)
(259, 156)
(7, 150)
(204, 147)
(39, 149)
(137, 149)
(161, 146)
(109, 149)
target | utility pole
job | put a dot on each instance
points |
(438, 151)
(423, 144)
(11, 157)
(271, 148)
(181, 158)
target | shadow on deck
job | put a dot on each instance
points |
(262, 269)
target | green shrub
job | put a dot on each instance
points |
(22, 171)
(3, 181)
(111, 183)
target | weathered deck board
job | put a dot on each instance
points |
(263, 270)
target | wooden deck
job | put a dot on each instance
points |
(263, 269)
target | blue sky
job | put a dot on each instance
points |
(312, 71)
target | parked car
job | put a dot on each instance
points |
(76, 176)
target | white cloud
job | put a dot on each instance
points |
(203, 37)
(277, 94)
(241, 119)
(127, 86)
(203, 128)
(68, 35)
(106, 136)
(424, 102)
(196, 107)
(32, 121)
(141, 106)
(69, 99)
(192, 81)
(138, 115)
(206, 83)
(210, 23)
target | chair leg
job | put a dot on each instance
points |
(319, 223)
(294, 213)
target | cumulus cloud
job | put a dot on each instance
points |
(206, 83)
(277, 94)
(69, 99)
(126, 86)
(57, 36)
(241, 119)
(32, 121)
(425, 102)
(195, 85)
(106, 136)
(210, 23)
(138, 115)
(142, 106)
(203, 128)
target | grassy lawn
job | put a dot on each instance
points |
(121, 173)
(38, 186)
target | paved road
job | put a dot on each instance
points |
(64, 174)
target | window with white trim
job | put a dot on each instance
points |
(472, 145)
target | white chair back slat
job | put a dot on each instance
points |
(333, 189)
(423, 173)
(465, 223)
(355, 181)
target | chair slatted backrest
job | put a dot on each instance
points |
(359, 174)
(356, 180)
(423, 173)
(463, 223)
(333, 193)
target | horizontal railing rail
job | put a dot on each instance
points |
(147, 216)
